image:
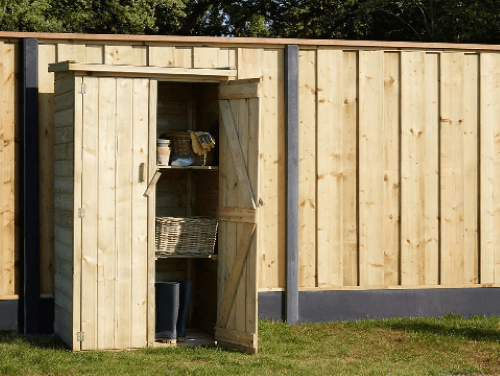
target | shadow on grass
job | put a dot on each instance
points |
(451, 325)
(40, 341)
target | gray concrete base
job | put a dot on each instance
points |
(352, 305)
(9, 314)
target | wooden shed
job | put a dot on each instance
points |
(350, 180)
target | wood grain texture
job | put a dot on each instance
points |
(391, 165)
(307, 168)
(371, 85)
(330, 171)
(350, 166)
(3, 290)
(490, 168)
(90, 162)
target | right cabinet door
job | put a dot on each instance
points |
(239, 104)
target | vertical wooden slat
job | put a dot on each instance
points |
(161, 56)
(330, 172)
(272, 161)
(231, 193)
(371, 257)
(253, 161)
(451, 163)
(125, 172)
(350, 162)
(243, 133)
(106, 241)
(307, 169)
(470, 169)
(90, 165)
(413, 156)
(2, 162)
(139, 203)
(77, 221)
(431, 169)
(153, 98)
(391, 166)
(206, 57)
(184, 57)
(490, 168)
(10, 149)
(46, 55)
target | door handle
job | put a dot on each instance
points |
(141, 173)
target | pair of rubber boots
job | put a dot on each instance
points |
(172, 309)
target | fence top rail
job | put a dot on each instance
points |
(240, 41)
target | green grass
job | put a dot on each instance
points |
(450, 345)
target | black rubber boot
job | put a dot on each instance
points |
(167, 309)
(185, 292)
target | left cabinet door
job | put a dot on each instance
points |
(113, 114)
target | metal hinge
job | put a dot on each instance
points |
(80, 336)
(82, 89)
(81, 213)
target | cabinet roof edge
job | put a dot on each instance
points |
(220, 74)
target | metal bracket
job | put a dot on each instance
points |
(82, 89)
(81, 213)
(80, 336)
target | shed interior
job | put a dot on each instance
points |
(186, 192)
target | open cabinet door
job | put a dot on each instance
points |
(239, 105)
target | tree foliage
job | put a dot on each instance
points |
(414, 20)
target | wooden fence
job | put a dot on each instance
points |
(399, 156)
(399, 168)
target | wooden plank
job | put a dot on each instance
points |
(235, 275)
(3, 288)
(451, 168)
(235, 147)
(153, 95)
(240, 298)
(272, 164)
(330, 155)
(490, 169)
(62, 325)
(64, 201)
(64, 135)
(106, 217)
(64, 118)
(46, 55)
(94, 54)
(250, 63)
(71, 51)
(206, 57)
(237, 215)
(371, 85)
(140, 141)
(227, 58)
(350, 165)
(63, 251)
(90, 164)
(161, 56)
(244, 339)
(470, 169)
(432, 124)
(63, 152)
(253, 161)
(124, 176)
(307, 168)
(10, 149)
(412, 168)
(135, 70)
(391, 221)
(250, 90)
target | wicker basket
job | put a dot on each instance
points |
(188, 235)
(181, 144)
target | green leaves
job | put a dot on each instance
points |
(466, 21)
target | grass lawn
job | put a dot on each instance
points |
(450, 345)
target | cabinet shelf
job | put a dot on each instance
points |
(187, 256)
(187, 167)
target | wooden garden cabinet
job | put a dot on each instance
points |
(107, 120)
